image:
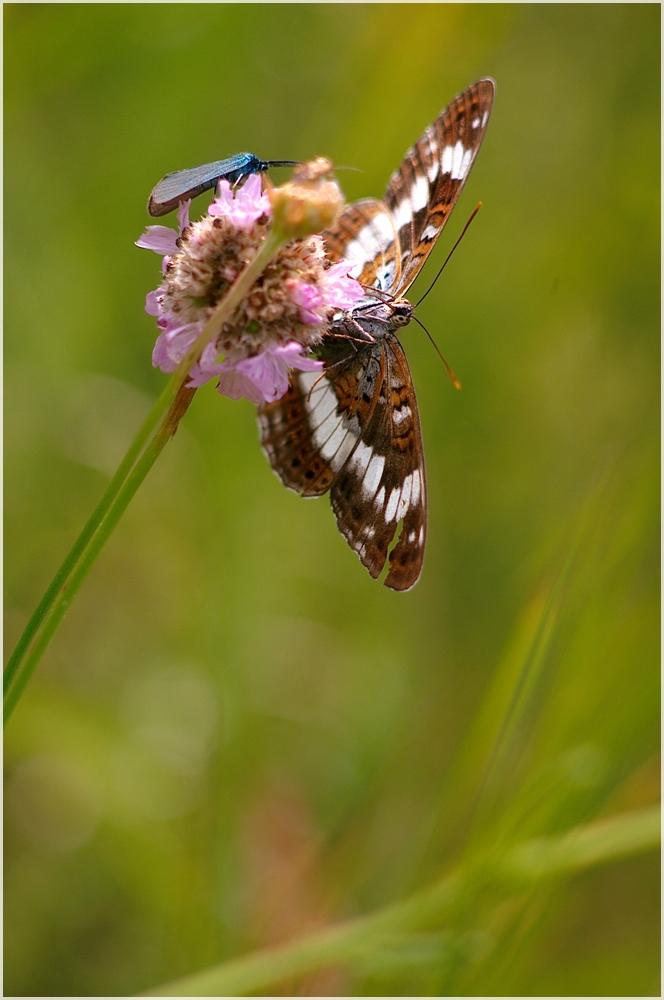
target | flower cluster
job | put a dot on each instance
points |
(285, 314)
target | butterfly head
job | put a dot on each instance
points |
(383, 311)
(393, 314)
(402, 312)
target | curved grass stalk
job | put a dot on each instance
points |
(521, 867)
(473, 782)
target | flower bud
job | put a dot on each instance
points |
(310, 202)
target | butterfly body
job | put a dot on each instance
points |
(182, 184)
(354, 429)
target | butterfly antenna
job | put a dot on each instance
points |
(455, 380)
(378, 293)
(463, 233)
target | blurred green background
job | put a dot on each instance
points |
(237, 736)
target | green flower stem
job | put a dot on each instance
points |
(51, 609)
(520, 868)
(88, 531)
(81, 568)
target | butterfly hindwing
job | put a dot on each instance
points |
(383, 482)
(288, 440)
(365, 235)
(310, 433)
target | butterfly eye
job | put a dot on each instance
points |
(402, 314)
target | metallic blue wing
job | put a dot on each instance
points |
(182, 184)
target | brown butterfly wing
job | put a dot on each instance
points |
(423, 191)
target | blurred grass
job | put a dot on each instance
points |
(387, 942)
(238, 738)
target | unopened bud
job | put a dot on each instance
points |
(310, 202)
(313, 170)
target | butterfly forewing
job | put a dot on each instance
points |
(423, 191)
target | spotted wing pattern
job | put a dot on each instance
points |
(355, 429)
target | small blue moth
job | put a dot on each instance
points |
(183, 184)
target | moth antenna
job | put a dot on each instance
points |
(463, 233)
(455, 380)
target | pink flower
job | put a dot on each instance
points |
(342, 291)
(264, 377)
(270, 332)
(243, 206)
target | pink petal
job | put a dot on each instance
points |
(335, 291)
(161, 239)
(268, 373)
(310, 317)
(160, 358)
(236, 385)
(241, 206)
(341, 291)
(152, 302)
(206, 368)
(173, 344)
(183, 215)
(264, 377)
(291, 354)
(307, 296)
(304, 364)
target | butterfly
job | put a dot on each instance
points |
(182, 184)
(354, 429)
